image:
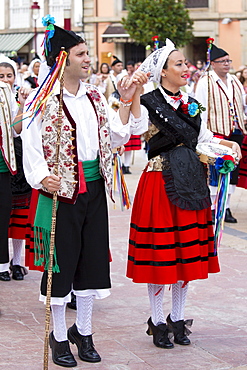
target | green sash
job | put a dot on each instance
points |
(42, 222)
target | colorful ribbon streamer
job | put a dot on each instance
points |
(119, 182)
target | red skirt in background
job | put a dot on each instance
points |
(134, 143)
(242, 178)
(18, 223)
(167, 243)
(29, 248)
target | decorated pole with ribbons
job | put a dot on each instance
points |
(54, 211)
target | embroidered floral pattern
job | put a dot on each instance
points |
(67, 164)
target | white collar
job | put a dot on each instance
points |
(171, 101)
(81, 91)
(217, 78)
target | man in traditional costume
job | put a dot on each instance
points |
(113, 78)
(224, 98)
(88, 133)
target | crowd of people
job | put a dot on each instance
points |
(171, 239)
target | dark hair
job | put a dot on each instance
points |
(104, 64)
(165, 66)
(130, 63)
(7, 65)
(242, 79)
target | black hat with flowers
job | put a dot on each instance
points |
(56, 38)
(216, 53)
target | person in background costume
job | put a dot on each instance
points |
(9, 113)
(171, 233)
(21, 191)
(33, 68)
(112, 80)
(224, 98)
(85, 168)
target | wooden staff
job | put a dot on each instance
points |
(53, 227)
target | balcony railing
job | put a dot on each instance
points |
(196, 3)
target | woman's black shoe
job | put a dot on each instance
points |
(160, 334)
(86, 350)
(126, 170)
(229, 217)
(4, 276)
(179, 330)
(61, 354)
(18, 272)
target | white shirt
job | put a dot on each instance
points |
(201, 93)
(82, 111)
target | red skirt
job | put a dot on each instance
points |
(167, 243)
(134, 143)
(242, 179)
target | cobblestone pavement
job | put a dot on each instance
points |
(218, 306)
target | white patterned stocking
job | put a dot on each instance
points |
(84, 314)
(156, 293)
(178, 301)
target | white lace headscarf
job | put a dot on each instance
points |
(155, 61)
(4, 59)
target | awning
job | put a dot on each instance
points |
(115, 33)
(13, 42)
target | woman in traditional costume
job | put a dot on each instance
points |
(171, 232)
(12, 195)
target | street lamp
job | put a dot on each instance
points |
(35, 8)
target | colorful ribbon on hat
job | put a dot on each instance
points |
(38, 104)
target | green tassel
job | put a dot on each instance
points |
(42, 249)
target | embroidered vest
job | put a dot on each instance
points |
(68, 160)
(222, 115)
(6, 133)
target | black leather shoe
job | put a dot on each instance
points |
(86, 350)
(18, 272)
(61, 354)
(72, 304)
(229, 217)
(160, 334)
(179, 331)
(4, 276)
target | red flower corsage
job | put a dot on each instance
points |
(184, 108)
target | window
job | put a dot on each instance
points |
(19, 12)
(196, 3)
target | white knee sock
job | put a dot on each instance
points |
(59, 323)
(156, 294)
(84, 307)
(127, 158)
(178, 301)
(17, 250)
